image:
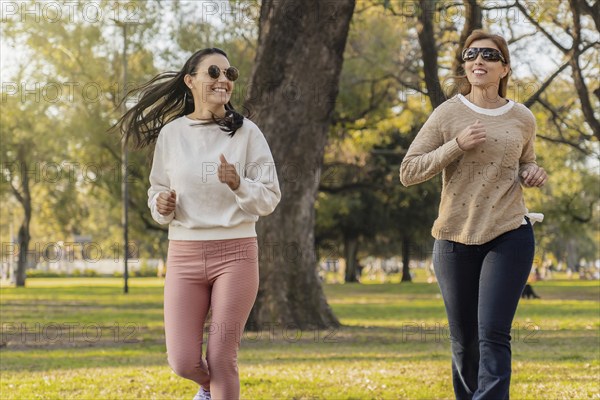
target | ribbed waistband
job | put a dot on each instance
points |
(244, 230)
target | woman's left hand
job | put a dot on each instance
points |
(228, 174)
(534, 176)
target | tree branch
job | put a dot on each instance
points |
(563, 141)
(518, 38)
(592, 11)
(504, 7)
(580, 86)
(534, 97)
(115, 155)
(557, 120)
(398, 79)
(539, 27)
(16, 192)
(375, 99)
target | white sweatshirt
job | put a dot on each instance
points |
(186, 159)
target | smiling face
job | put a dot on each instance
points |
(210, 93)
(481, 73)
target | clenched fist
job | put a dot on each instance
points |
(534, 176)
(228, 174)
(471, 137)
(165, 203)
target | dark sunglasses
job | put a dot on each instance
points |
(487, 53)
(231, 73)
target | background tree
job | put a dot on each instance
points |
(26, 141)
(378, 109)
(76, 89)
(294, 86)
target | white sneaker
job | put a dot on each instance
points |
(202, 394)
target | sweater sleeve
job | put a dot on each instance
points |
(428, 155)
(528, 154)
(258, 192)
(159, 182)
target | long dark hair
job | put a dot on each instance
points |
(166, 97)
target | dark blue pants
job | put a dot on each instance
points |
(481, 286)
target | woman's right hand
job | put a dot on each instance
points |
(165, 203)
(471, 137)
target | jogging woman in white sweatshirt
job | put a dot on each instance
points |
(212, 176)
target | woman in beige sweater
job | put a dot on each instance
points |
(483, 145)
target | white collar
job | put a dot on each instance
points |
(493, 112)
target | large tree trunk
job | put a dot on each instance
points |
(350, 252)
(294, 87)
(473, 21)
(426, 35)
(23, 237)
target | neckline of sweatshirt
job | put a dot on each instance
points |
(492, 112)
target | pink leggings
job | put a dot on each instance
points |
(221, 275)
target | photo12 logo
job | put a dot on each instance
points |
(67, 332)
(65, 92)
(66, 251)
(69, 171)
(438, 332)
(69, 11)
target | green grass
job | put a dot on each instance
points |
(393, 345)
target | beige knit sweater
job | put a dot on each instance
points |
(482, 196)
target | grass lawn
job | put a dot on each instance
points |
(83, 339)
